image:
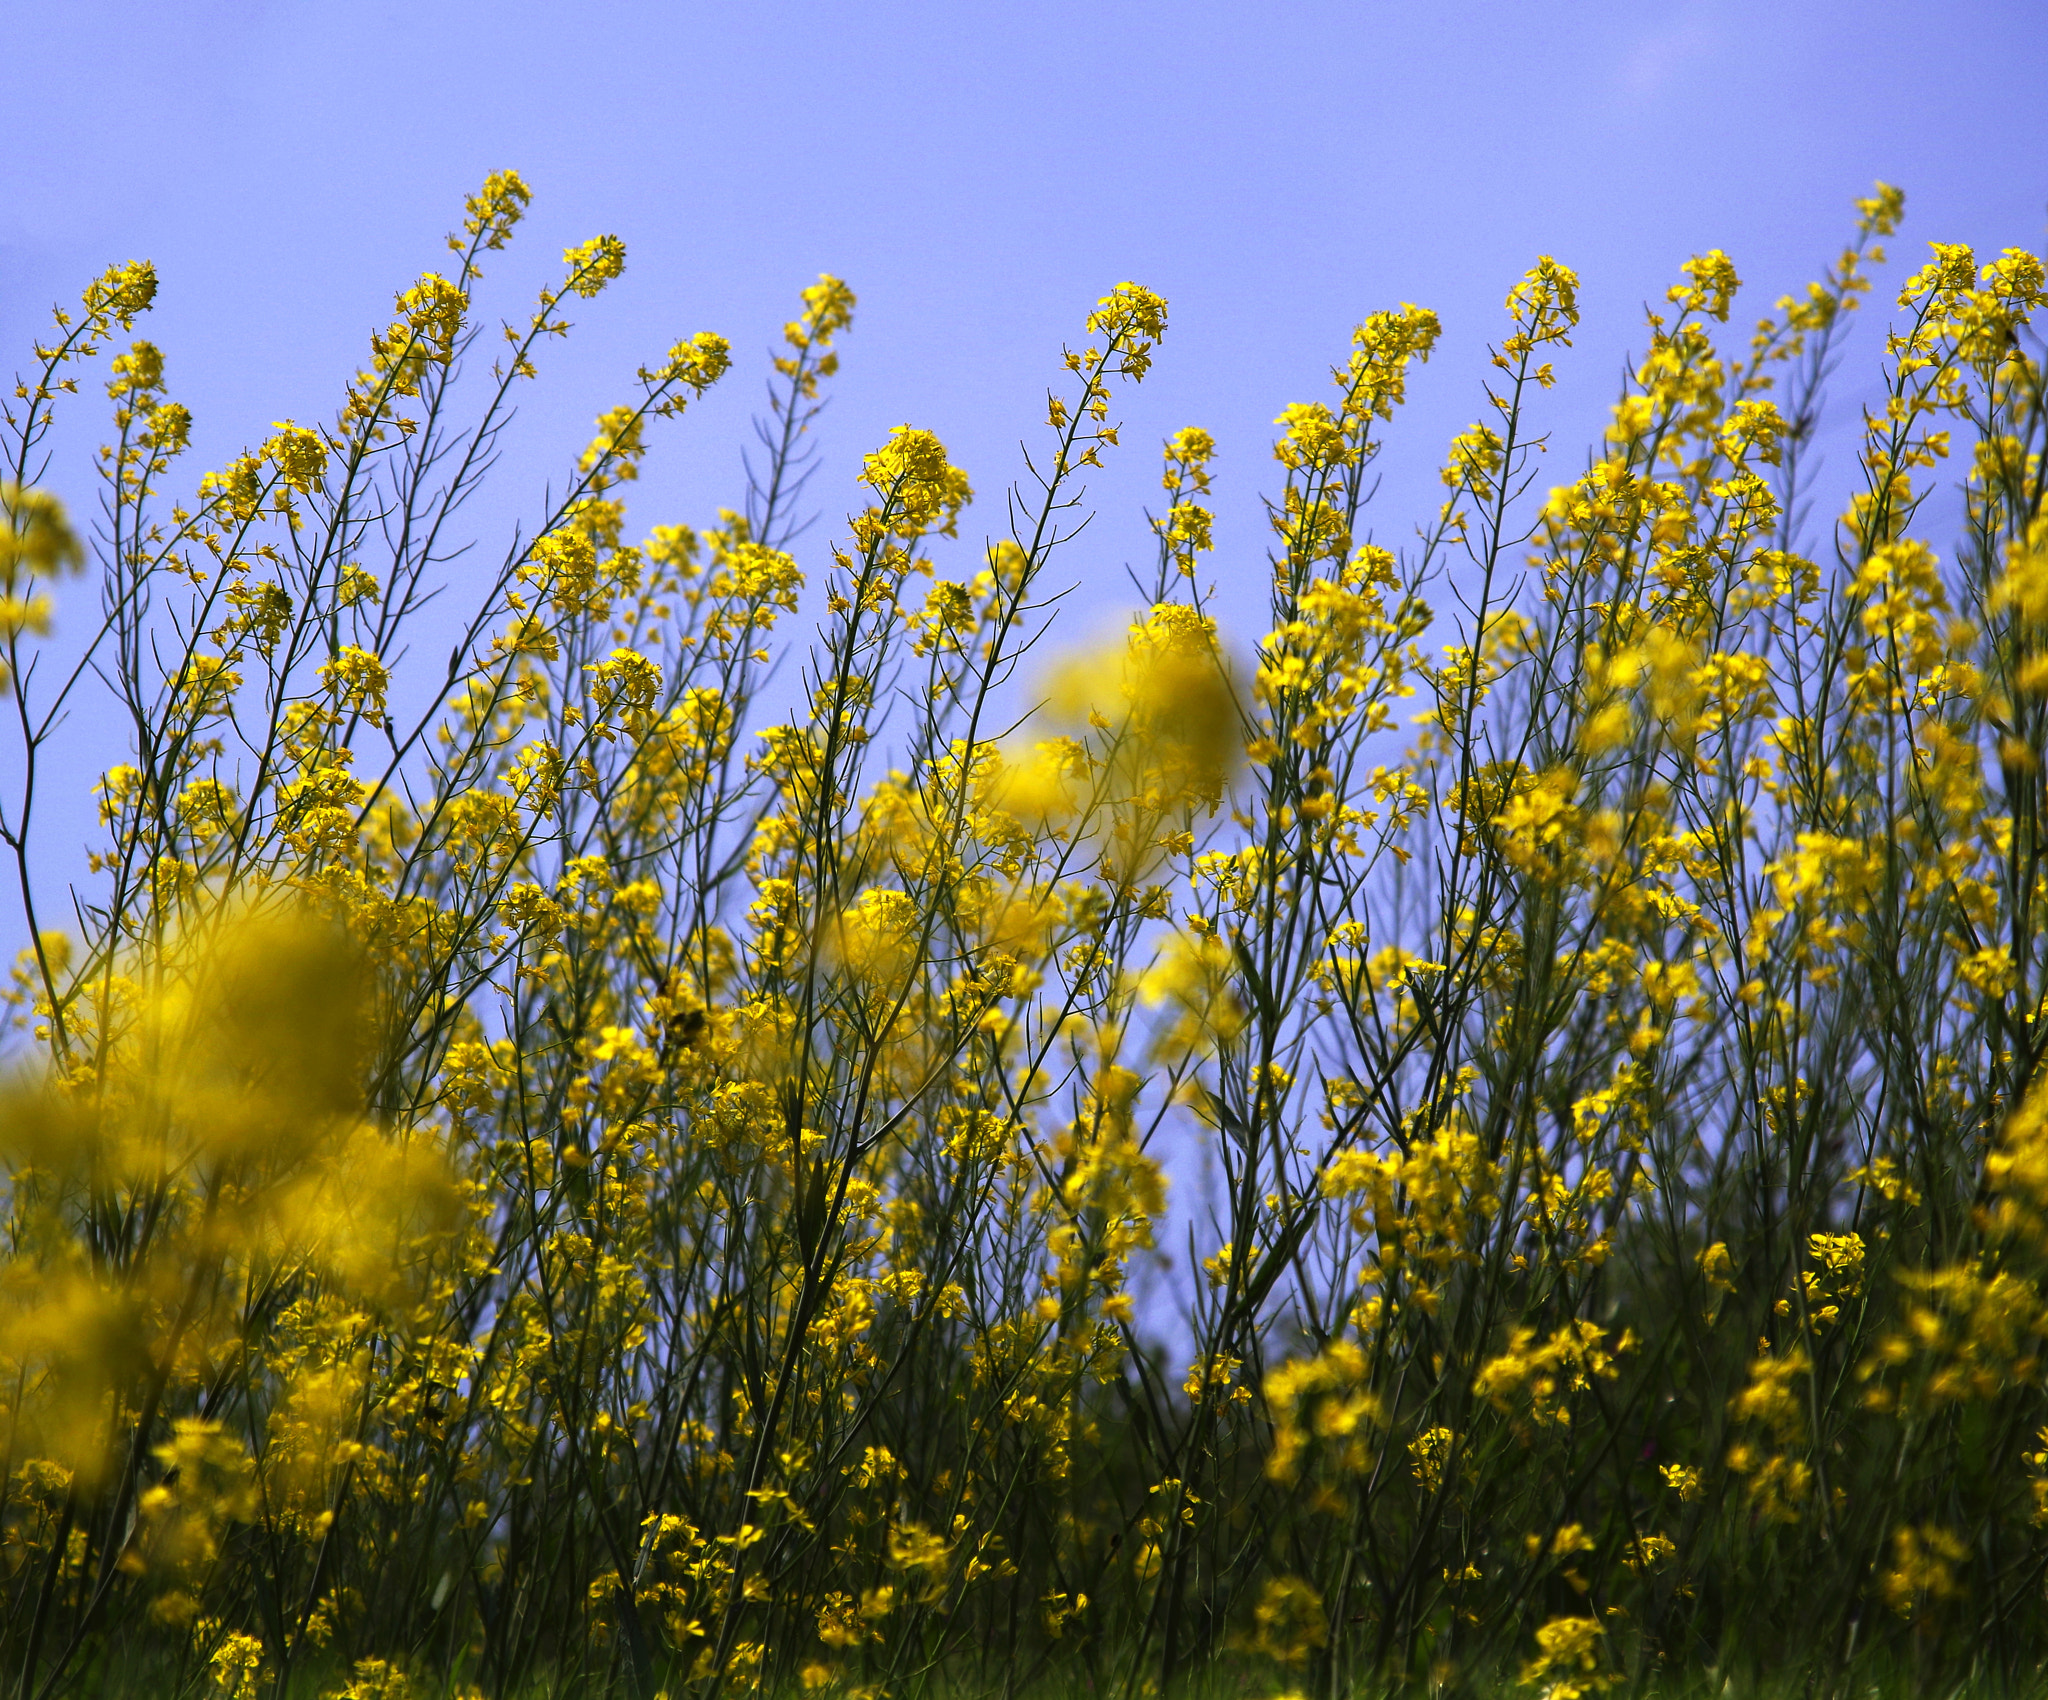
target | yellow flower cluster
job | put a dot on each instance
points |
(600, 1161)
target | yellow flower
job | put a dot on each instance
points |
(36, 537)
(1683, 1480)
(1568, 1655)
(357, 680)
(594, 264)
(494, 210)
(1924, 1562)
(921, 490)
(1712, 287)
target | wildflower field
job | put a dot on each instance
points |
(634, 1159)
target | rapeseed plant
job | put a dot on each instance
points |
(572, 1170)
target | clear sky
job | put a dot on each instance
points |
(980, 173)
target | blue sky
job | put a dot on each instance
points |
(980, 173)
